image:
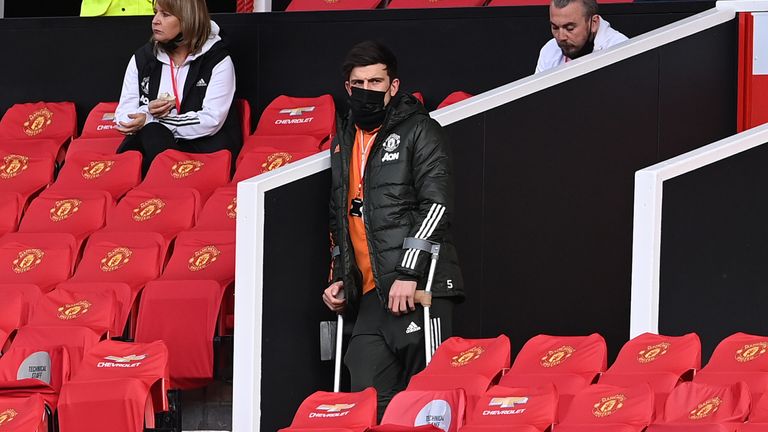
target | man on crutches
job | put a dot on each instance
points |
(390, 211)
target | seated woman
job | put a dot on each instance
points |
(178, 88)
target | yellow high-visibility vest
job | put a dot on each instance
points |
(116, 7)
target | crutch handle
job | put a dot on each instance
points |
(423, 298)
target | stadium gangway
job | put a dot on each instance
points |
(247, 398)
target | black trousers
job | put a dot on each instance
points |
(154, 138)
(385, 351)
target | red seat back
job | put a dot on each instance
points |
(443, 409)
(696, 403)
(11, 206)
(454, 97)
(59, 308)
(507, 406)
(120, 292)
(40, 259)
(40, 120)
(244, 109)
(486, 357)
(201, 171)
(265, 159)
(23, 414)
(740, 352)
(279, 143)
(76, 341)
(19, 301)
(562, 354)
(325, 410)
(426, 4)
(115, 174)
(602, 404)
(101, 122)
(320, 5)
(25, 172)
(658, 353)
(220, 211)
(201, 255)
(164, 211)
(79, 213)
(287, 115)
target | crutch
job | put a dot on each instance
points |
(425, 297)
(339, 336)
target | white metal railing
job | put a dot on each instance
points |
(246, 404)
(646, 235)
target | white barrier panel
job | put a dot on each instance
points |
(646, 235)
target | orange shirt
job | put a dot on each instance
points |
(361, 149)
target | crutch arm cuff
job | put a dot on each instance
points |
(421, 244)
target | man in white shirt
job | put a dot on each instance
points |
(577, 30)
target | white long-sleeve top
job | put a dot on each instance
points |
(192, 124)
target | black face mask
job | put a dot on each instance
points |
(172, 44)
(368, 109)
(588, 47)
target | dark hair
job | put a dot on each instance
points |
(369, 53)
(590, 6)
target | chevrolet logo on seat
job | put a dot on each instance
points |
(126, 359)
(335, 407)
(297, 111)
(508, 402)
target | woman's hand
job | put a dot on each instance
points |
(160, 108)
(133, 126)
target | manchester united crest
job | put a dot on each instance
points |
(751, 351)
(204, 257)
(608, 405)
(115, 259)
(72, 311)
(653, 352)
(148, 209)
(276, 160)
(557, 356)
(185, 168)
(65, 208)
(27, 260)
(467, 356)
(13, 165)
(232, 209)
(705, 409)
(96, 169)
(7, 416)
(38, 121)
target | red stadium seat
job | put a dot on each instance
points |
(94, 310)
(571, 363)
(245, 116)
(220, 211)
(184, 315)
(695, 407)
(25, 172)
(201, 171)
(444, 410)
(277, 143)
(739, 357)
(11, 206)
(266, 159)
(474, 385)
(758, 416)
(607, 408)
(459, 356)
(50, 124)
(18, 302)
(76, 340)
(503, 409)
(661, 361)
(120, 291)
(164, 211)
(453, 98)
(79, 213)
(326, 411)
(427, 4)
(35, 370)
(40, 259)
(201, 255)
(118, 386)
(23, 414)
(102, 146)
(101, 122)
(116, 174)
(287, 115)
(320, 5)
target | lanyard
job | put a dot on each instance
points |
(175, 90)
(364, 158)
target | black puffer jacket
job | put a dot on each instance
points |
(408, 192)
